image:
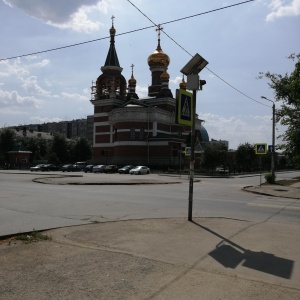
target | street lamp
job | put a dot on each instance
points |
(191, 70)
(273, 139)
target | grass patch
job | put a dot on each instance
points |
(33, 236)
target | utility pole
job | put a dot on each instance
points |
(273, 139)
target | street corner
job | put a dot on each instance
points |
(274, 190)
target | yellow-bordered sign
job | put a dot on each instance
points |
(187, 151)
(184, 107)
(261, 148)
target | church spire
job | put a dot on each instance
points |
(112, 57)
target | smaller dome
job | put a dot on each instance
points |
(132, 80)
(183, 84)
(112, 30)
(165, 76)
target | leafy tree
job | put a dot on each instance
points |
(82, 149)
(287, 89)
(60, 147)
(7, 143)
(245, 157)
(7, 139)
(213, 156)
(37, 145)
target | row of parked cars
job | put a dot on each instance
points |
(128, 169)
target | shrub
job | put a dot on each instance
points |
(270, 178)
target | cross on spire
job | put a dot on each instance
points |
(158, 29)
(132, 69)
(112, 20)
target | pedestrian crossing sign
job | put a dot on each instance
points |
(187, 151)
(184, 105)
(261, 148)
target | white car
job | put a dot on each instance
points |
(139, 170)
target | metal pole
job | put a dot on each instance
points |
(273, 144)
(192, 161)
(273, 139)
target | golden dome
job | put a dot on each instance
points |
(183, 84)
(165, 76)
(158, 58)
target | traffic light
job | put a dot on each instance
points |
(201, 83)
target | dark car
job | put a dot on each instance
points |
(67, 168)
(49, 167)
(36, 168)
(111, 169)
(125, 169)
(88, 168)
(98, 168)
(79, 166)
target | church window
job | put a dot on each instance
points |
(132, 133)
(142, 131)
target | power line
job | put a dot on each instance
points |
(144, 28)
(196, 15)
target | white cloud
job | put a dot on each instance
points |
(74, 96)
(237, 130)
(12, 68)
(30, 85)
(75, 14)
(281, 9)
(13, 99)
(38, 119)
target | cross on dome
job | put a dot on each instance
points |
(158, 29)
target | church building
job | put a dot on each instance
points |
(129, 130)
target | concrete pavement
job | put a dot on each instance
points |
(209, 258)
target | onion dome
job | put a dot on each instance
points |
(132, 80)
(158, 58)
(112, 30)
(165, 76)
(183, 84)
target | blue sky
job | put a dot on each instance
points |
(238, 42)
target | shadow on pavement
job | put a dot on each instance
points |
(230, 255)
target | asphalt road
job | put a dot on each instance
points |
(26, 205)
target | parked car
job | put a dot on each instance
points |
(98, 168)
(67, 168)
(88, 168)
(125, 169)
(49, 167)
(111, 169)
(79, 166)
(36, 168)
(139, 170)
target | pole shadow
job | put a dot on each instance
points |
(230, 255)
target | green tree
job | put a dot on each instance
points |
(37, 145)
(8, 139)
(245, 157)
(287, 89)
(7, 143)
(60, 147)
(82, 149)
(213, 156)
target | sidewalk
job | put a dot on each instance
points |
(156, 259)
